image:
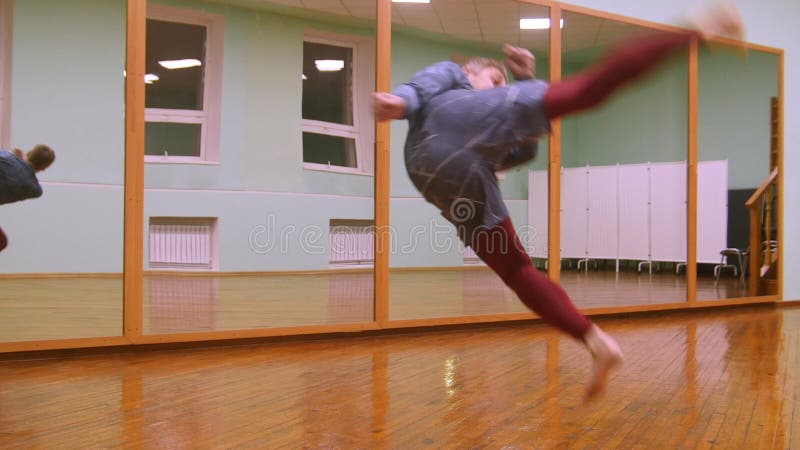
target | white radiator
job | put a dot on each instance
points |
(352, 244)
(181, 246)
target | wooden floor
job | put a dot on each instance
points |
(727, 379)
(61, 308)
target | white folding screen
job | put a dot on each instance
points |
(634, 224)
(632, 212)
(574, 206)
(668, 211)
(712, 210)
(603, 212)
(537, 213)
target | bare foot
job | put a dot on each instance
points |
(719, 19)
(607, 356)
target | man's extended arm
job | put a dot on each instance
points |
(428, 83)
(409, 98)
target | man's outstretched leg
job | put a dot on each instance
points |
(500, 248)
(634, 58)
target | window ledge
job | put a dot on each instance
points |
(335, 169)
(150, 159)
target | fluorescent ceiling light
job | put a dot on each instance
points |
(329, 65)
(411, 1)
(305, 77)
(180, 63)
(536, 24)
(150, 78)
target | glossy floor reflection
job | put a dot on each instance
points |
(174, 304)
(727, 378)
(602, 289)
(60, 308)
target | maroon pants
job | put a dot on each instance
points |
(500, 247)
(622, 65)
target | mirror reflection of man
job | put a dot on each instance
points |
(18, 176)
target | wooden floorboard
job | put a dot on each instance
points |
(702, 379)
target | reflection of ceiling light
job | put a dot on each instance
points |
(305, 77)
(411, 1)
(180, 63)
(536, 24)
(150, 78)
(329, 65)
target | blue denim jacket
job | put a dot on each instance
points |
(438, 79)
(459, 137)
(17, 179)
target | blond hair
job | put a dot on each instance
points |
(478, 63)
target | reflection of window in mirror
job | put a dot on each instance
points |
(5, 71)
(183, 68)
(332, 101)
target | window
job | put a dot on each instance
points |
(6, 26)
(337, 126)
(183, 75)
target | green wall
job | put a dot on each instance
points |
(647, 121)
(68, 87)
(71, 229)
(644, 122)
(68, 92)
(734, 112)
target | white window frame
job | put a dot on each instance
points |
(362, 131)
(6, 36)
(209, 117)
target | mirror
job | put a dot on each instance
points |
(623, 181)
(259, 166)
(432, 274)
(62, 85)
(737, 151)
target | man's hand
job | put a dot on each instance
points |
(386, 106)
(19, 153)
(520, 62)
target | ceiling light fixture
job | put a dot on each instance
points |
(536, 24)
(329, 65)
(180, 63)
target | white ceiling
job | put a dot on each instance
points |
(491, 22)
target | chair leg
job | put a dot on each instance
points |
(741, 271)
